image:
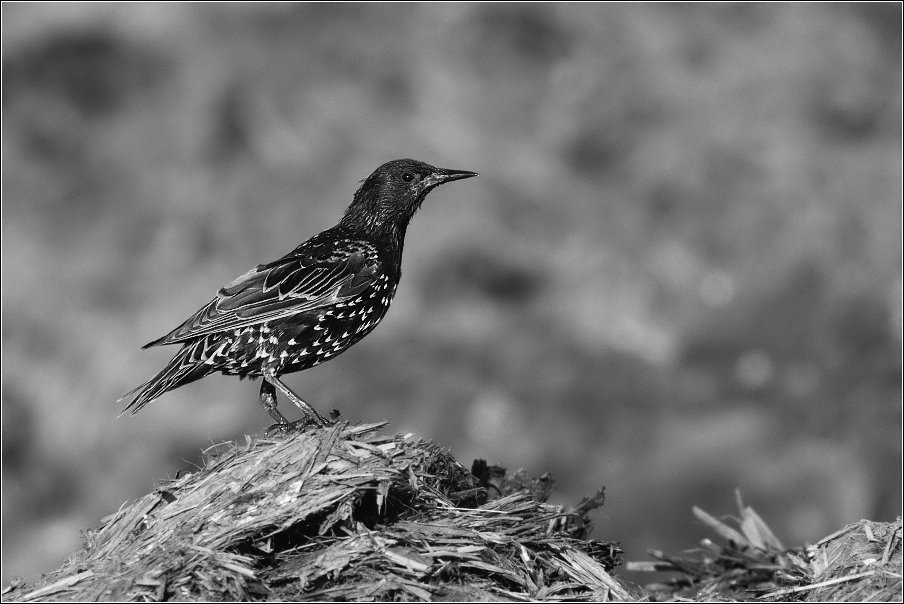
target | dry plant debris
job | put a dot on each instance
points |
(341, 513)
(350, 513)
(860, 563)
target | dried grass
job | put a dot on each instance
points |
(349, 513)
(860, 563)
(344, 513)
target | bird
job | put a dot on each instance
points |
(308, 306)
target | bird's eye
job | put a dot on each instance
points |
(407, 177)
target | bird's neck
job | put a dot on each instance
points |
(389, 239)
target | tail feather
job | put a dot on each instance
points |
(182, 369)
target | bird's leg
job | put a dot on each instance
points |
(268, 402)
(311, 413)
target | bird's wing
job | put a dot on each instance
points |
(294, 284)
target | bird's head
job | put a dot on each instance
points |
(388, 198)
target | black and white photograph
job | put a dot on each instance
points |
(434, 301)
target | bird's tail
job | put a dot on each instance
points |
(184, 368)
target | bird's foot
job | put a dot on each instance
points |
(296, 426)
(301, 424)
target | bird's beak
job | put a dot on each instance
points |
(442, 176)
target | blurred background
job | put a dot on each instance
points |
(678, 273)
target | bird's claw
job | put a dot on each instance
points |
(303, 423)
(298, 425)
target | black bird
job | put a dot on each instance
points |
(308, 306)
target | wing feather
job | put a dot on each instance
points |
(294, 284)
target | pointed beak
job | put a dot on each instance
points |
(442, 176)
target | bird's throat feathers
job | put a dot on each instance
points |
(378, 213)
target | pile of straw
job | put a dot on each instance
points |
(860, 563)
(350, 513)
(340, 513)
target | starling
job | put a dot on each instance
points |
(308, 306)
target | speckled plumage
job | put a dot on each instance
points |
(308, 306)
